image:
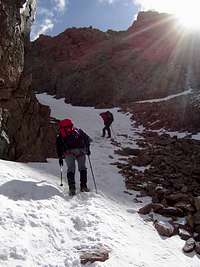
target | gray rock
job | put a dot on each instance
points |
(189, 245)
(185, 235)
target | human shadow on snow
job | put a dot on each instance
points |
(28, 190)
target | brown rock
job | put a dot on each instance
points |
(146, 209)
(164, 228)
(177, 197)
(171, 211)
(156, 207)
(187, 208)
(92, 256)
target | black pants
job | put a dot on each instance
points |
(107, 128)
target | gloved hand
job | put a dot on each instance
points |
(60, 161)
(88, 151)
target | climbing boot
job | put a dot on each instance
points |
(83, 181)
(71, 183)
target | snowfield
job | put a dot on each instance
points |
(41, 226)
(186, 92)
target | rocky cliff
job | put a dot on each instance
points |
(86, 65)
(23, 121)
(151, 59)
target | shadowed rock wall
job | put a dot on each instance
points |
(24, 123)
(90, 67)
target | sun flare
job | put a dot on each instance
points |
(187, 12)
(190, 21)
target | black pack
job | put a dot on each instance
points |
(110, 116)
(76, 139)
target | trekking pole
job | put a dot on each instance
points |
(113, 132)
(61, 184)
(92, 174)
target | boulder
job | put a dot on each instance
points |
(94, 255)
(189, 245)
(146, 209)
(177, 197)
(171, 211)
(164, 228)
(185, 235)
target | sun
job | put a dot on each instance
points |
(187, 11)
(190, 19)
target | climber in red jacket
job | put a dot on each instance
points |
(108, 119)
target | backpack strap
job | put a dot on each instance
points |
(63, 143)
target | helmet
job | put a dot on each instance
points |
(65, 127)
(66, 123)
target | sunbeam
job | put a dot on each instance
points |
(187, 12)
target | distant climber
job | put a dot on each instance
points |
(73, 145)
(108, 119)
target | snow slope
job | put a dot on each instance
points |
(41, 226)
(186, 92)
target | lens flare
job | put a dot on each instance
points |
(187, 12)
(190, 20)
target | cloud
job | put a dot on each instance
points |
(60, 5)
(47, 16)
(37, 29)
(44, 12)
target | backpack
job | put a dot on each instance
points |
(110, 116)
(107, 117)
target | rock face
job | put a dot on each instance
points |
(90, 67)
(154, 58)
(24, 123)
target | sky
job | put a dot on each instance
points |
(54, 16)
(55, 228)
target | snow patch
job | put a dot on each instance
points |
(189, 91)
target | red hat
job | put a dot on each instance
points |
(66, 123)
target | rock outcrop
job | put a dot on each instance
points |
(24, 123)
